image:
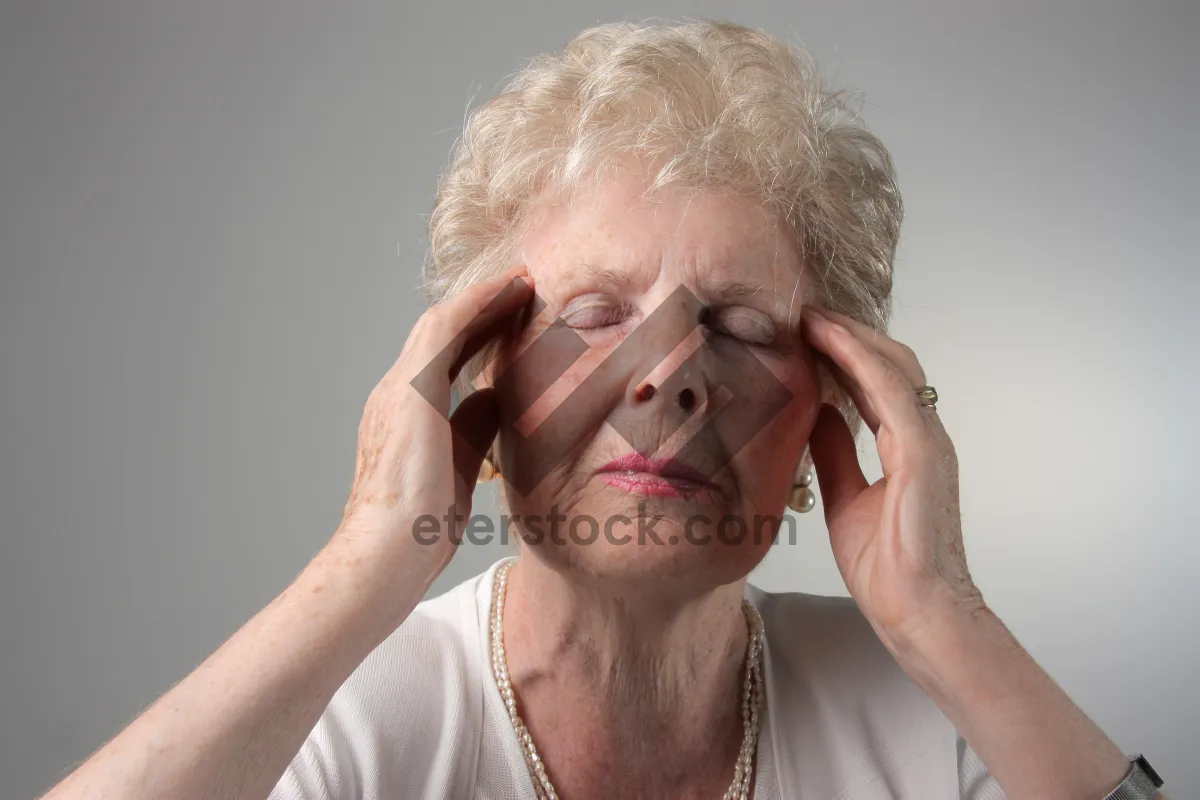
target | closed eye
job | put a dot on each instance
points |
(744, 324)
(592, 314)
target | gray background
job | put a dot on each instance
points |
(212, 221)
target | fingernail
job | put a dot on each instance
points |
(815, 316)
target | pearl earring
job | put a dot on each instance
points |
(802, 499)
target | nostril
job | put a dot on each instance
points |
(644, 392)
(687, 399)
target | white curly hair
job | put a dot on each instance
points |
(712, 104)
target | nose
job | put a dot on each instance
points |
(685, 397)
(676, 386)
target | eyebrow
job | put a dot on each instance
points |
(590, 272)
(593, 273)
(736, 289)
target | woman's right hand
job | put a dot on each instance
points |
(414, 461)
(231, 727)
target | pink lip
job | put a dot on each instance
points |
(659, 477)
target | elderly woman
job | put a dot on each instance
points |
(663, 259)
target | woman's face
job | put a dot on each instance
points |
(697, 295)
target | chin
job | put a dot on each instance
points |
(650, 544)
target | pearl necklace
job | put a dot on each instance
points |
(752, 697)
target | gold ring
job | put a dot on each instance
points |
(928, 396)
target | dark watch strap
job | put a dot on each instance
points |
(1141, 783)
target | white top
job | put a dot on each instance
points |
(422, 717)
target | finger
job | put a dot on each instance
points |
(887, 391)
(450, 333)
(818, 335)
(496, 318)
(853, 390)
(835, 460)
(901, 355)
(444, 329)
(478, 340)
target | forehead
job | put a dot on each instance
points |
(610, 233)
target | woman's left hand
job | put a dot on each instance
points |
(897, 542)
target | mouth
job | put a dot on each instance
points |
(658, 477)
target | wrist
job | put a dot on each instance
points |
(369, 581)
(1033, 738)
(947, 639)
(945, 616)
(415, 547)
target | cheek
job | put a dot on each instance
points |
(546, 420)
(798, 373)
(545, 380)
(781, 391)
(768, 460)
